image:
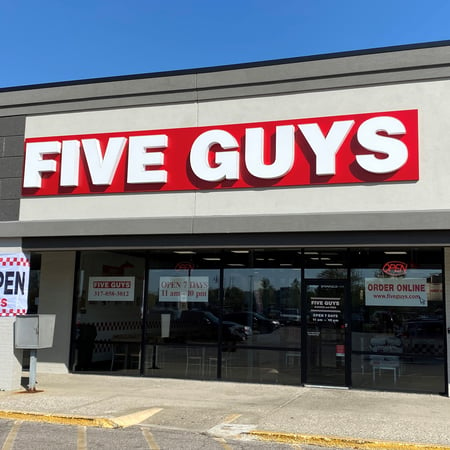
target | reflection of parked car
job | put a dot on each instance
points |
(256, 321)
(290, 316)
(198, 324)
(385, 321)
(425, 337)
(357, 321)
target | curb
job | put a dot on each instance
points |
(59, 419)
(339, 442)
(100, 422)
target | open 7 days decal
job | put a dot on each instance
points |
(361, 148)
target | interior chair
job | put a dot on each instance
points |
(119, 355)
(154, 355)
(212, 364)
(127, 355)
(292, 359)
(194, 359)
(134, 356)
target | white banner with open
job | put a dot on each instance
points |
(14, 279)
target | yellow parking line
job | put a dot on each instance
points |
(150, 439)
(9, 442)
(223, 443)
(231, 418)
(81, 438)
(135, 418)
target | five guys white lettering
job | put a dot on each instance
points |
(384, 153)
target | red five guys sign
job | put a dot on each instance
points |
(362, 148)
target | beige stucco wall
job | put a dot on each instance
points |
(11, 358)
(429, 193)
(55, 297)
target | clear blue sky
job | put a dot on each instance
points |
(61, 40)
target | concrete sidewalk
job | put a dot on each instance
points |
(356, 419)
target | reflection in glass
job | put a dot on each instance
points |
(255, 336)
(247, 326)
(109, 311)
(326, 334)
(268, 301)
(398, 346)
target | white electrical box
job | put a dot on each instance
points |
(34, 331)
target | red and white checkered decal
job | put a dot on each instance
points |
(25, 262)
(12, 312)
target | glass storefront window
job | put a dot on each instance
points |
(109, 311)
(398, 321)
(370, 318)
(326, 333)
(325, 263)
(183, 326)
(268, 302)
(194, 331)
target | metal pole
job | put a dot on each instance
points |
(33, 363)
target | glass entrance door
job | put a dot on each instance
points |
(326, 334)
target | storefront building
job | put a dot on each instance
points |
(281, 222)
